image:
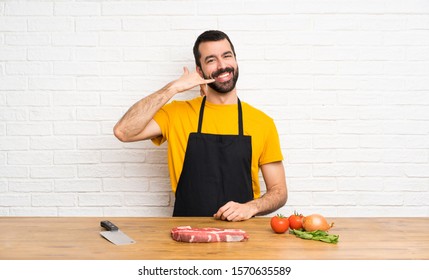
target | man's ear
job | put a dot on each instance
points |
(198, 68)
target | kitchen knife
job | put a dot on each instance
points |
(114, 235)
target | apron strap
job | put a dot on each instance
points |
(240, 116)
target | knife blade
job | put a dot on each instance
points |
(114, 235)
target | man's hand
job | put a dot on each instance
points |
(189, 80)
(235, 212)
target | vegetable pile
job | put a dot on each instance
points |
(319, 235)
(311, 227)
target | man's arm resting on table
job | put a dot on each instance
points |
(274, 198)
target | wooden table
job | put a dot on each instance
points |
(77, 238)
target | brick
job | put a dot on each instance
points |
(388, 199)
(335, 142)
(171, 8)
(334, 198)
(382, 53)
(51, 114)
(48, 200)
(124, 69)
(13, 143)
(29, 8)
(57, 24)
(27, 39)
(417, 170)
(146, 170)
(28, 68)
(149, 23)
(13, 115)
(80, 212)
(53, 171)
(133, 8)
(76, 157)
(75, 39)
(76, 69)
(51, 83)
(48, 53)
(146, 54)
(310, 156)
(160, 185)
(417, 141)
(406, 184)
(3, 184)
(81, 98)
(335, 170)
(14, 200)
(146, 199)
(361, 184)
(100, 142)
(405, 156)
(298, 170)
(313, 184)
(100, 200)
(99, 171)
(98, 83)
(76, 128)
(27, 98)
(13, 24)
(362, 155)
(77, 185)
(418, 53)
(33, 211)
(123, 39)
(12, 53)
(52, 143)
(381, 170)
(416, 198)
(98, 24)
(30, 186)
(125, 185)
(98, 54)
(197, 23)
(77, 9)
(30, 158)
(13, 83)
(149, 211)
(34, 129)
(123, 156)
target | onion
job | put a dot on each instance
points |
(315, 222)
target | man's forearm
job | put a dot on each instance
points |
(270, 201)
(139, 115)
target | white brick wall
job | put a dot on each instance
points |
(347, 83)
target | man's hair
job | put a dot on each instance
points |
(209, 36)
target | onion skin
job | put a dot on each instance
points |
(315, 222)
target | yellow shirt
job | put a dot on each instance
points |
(179, 118)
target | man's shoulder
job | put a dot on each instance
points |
(255, 112)
(176, 104)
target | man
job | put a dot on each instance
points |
(216, 143)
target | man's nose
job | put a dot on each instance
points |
(221, 64)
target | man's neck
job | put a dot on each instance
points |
(215, 97)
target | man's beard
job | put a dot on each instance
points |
(226, 86)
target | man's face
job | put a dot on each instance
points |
(218, 62)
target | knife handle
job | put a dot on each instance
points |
(108, 225)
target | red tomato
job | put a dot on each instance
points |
(295, 221)
(279, 224)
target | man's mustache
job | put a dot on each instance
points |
(221, 71)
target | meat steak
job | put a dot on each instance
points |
(205, 235)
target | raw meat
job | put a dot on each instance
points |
(205, 235)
